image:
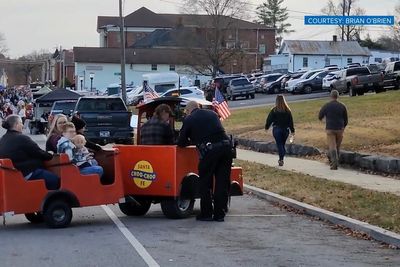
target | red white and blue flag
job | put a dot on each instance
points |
(149, 93)
(220, 105)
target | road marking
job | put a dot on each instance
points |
(256, 215)
(131, 238)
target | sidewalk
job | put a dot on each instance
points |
(321, 170)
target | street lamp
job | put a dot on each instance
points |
(81, 80)
(91, 76)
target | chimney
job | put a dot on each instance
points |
(335, 38)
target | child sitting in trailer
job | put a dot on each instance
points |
(65, 145)
(82, 155)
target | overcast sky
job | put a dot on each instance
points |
(45, 24)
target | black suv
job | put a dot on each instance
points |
(107, 119)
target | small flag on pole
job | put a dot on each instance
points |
(149, 93)
(220, 105)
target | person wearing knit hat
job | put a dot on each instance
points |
(80, 127)
(79, 124)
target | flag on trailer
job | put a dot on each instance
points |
(149, 93)
(220, 105)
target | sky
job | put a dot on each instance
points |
(30, 25)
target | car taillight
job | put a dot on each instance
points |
(354, 80)
(382, 76)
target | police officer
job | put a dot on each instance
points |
(204, 129)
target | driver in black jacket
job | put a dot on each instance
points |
(25, 154)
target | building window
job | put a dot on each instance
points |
(262, 36)
(305, 62)
(172, 67)
(153, 66)
(244, 44)
(230, 45)
(349, 60)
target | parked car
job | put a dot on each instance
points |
(240, 87)
(308, 85)
(275, 87)
(289, 77)
(65, 107)
(107, 119)
(328, 80)
(289, 86)
(392, 74)
(189, 92)
(266, 79)
(357, 81)
(223, 81)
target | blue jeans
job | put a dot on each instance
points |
(51, 180)
(280, 135)
(92, 170)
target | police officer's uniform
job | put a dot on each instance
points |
(204, 129)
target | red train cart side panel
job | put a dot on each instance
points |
(148, 170)
(16, 194)
(88, 189)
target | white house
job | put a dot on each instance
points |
(381, 56)
(318, 54)
(97, 67)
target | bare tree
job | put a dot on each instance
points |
(3, 46)
(31, 64)
(345, 8)
(214, 52)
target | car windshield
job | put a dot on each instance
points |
(63, 107)
(357, 71)
(240, 82)
(100, 105)
(162, 88)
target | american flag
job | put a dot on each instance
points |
(149, 93)
(220, 105)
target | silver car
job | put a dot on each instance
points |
(240, 87)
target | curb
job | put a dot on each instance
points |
(374, 232)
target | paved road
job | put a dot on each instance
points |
(255, 233)
(265, 99)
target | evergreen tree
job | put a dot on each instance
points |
(272, 14)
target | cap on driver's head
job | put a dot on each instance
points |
(191, 105)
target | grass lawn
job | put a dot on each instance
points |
(380, 209)
(374, 123)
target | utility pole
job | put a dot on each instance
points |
(122, 43)
(343, 13)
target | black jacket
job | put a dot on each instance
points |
(201, 126)
(335, 114)
(24, 153)
(280, 119)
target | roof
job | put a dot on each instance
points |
(204, 21)
(42, 91)
(144, 17)
(178, 37)
(59, 94)
(298, 47)
(168, 56)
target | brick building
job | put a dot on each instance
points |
(146, 29)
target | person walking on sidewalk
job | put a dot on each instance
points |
(280, 117)
(335, 114)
